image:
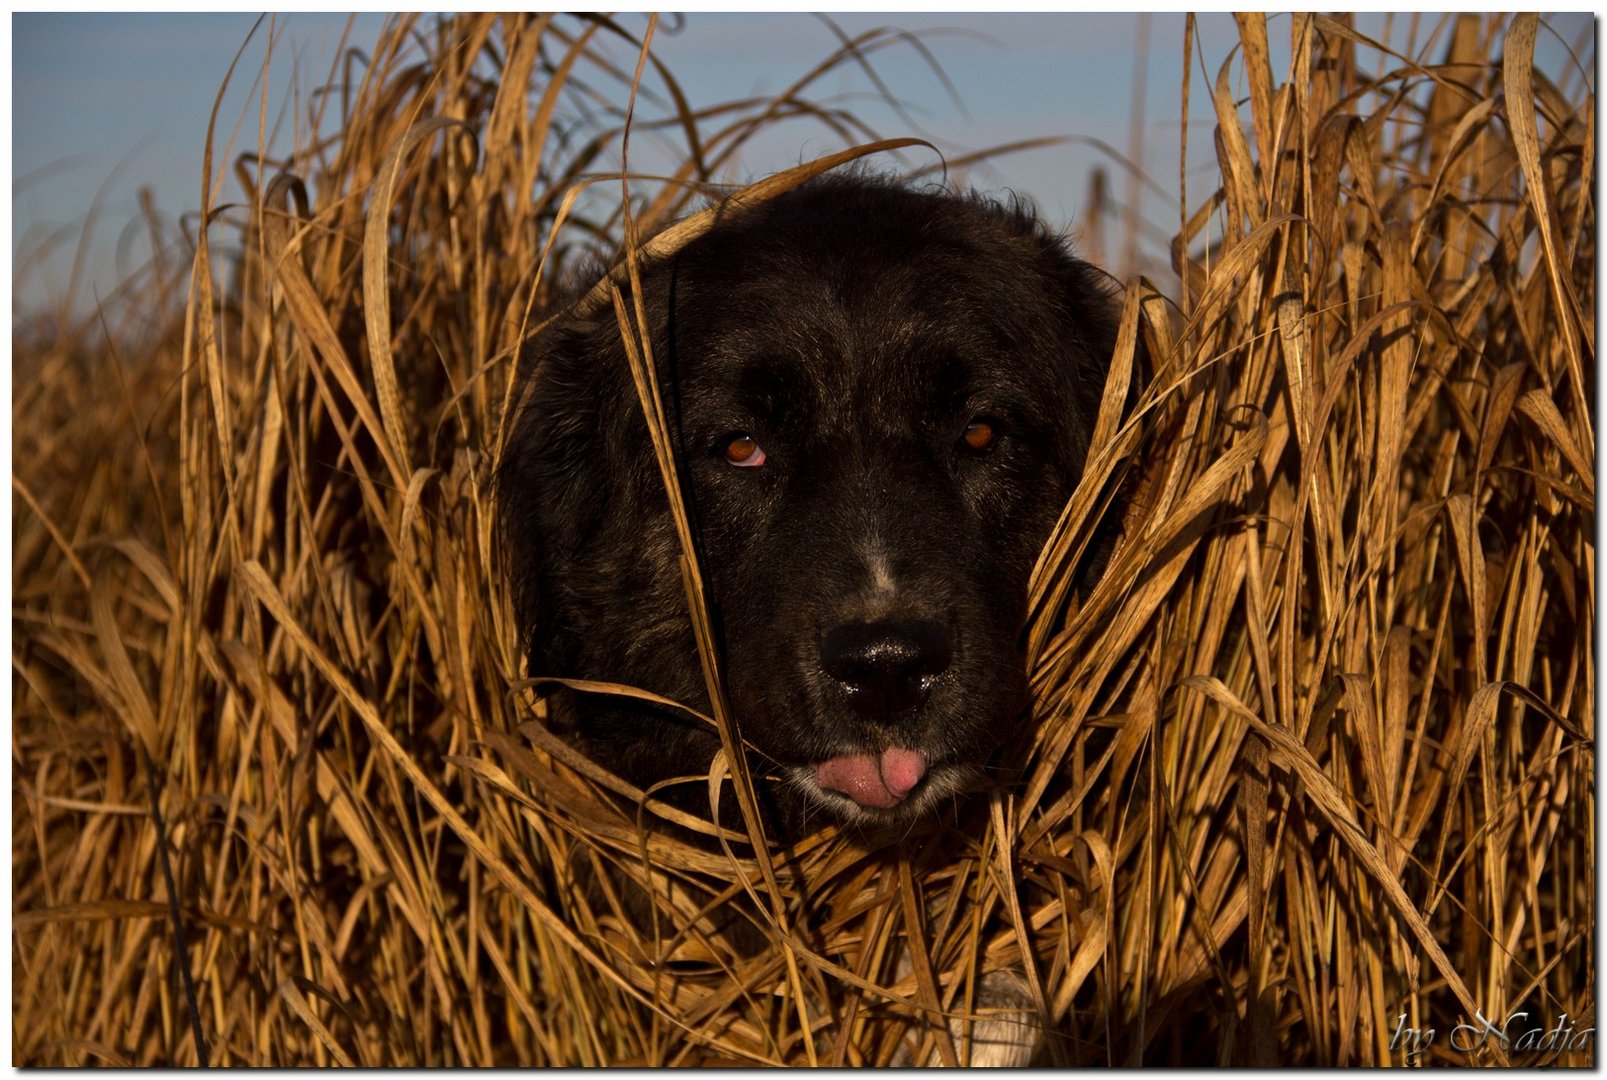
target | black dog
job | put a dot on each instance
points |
(880, 399)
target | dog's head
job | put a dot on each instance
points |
(880, 401)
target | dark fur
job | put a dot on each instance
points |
(853, 327)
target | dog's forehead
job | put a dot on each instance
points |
(828, 353)
(857, 318)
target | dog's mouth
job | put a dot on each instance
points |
(873, 781)
(868, 787)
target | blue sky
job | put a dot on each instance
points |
(117, 101)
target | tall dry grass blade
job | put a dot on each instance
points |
(1518, 77)
(376, 290)
(672, 239)
(252, 575)
(1330, 802)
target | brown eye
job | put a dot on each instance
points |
(744, 451)
(979, 434)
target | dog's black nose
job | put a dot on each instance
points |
(886, 666)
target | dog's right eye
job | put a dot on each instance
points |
(979, 434)
(744, 451)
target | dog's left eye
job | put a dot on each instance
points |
(744, 451)
(979, 434)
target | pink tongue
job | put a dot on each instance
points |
(882, 784)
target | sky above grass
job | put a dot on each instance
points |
(104, 104)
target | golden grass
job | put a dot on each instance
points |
(1314, 756)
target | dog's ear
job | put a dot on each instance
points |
(1092, 302)
(1089, 300)
(554, 477)
(1093, 306)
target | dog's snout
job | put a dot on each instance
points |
(886, 666)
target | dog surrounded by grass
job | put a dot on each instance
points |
(879, 398)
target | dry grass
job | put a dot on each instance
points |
(1316, 754)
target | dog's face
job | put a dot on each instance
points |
(881, 401)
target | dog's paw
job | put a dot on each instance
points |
(1007, 1031)
(1005, 1028)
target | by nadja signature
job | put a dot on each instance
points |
(1519, 1033)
